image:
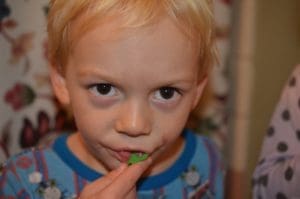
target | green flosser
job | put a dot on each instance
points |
(137, 157)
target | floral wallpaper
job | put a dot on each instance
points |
(29, 113)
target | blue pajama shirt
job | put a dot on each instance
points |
(54, 172)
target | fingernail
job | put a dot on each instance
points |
(122, 167)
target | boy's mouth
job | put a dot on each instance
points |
(136, 158)
(124, 156)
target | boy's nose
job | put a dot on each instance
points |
(134, 119)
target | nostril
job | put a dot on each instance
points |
(133, 130)
(134, 120)
(133, 133)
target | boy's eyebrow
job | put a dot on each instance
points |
(96, 73)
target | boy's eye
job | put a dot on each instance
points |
(103, 89)
(166, 93)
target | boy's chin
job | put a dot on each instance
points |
(112, 165)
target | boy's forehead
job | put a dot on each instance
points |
(113, 28)
(81, 26)
(162, 44)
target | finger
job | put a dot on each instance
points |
(128, 178)
(132, 194)
(101, 183)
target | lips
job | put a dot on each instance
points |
(124, 155)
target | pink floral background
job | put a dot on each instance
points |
(29, 113)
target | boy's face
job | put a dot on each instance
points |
(130, 91)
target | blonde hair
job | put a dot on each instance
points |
(194, 17)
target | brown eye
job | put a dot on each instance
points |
(103, 89)
(167, 92)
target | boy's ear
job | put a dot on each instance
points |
(59, 86)
(200, 87)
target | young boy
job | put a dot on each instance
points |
(131, 72)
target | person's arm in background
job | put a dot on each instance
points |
(277, 174)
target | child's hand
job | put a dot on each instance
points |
(118, 184)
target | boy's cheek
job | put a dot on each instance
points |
(169, 139)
